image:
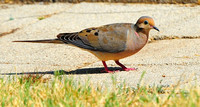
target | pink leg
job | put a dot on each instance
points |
(123, 67)
(106, 68)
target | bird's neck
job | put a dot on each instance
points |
(141, 30)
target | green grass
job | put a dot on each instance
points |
(33, 90)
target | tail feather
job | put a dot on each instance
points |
(64, 34)
(54, 41)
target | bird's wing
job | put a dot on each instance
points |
(108, 38)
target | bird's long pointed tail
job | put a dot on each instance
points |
(54, 41)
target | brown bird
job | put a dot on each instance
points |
(109, 42)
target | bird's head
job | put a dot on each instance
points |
(146, 23)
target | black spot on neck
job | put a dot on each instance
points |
(138, 29)
(141, 30)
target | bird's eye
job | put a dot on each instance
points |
(146, 22)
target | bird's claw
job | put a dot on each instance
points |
(130, 69)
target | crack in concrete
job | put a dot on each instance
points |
(42, 17)
(158, 38)
(168, 64)
(10, 32)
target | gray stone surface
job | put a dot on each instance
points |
(165, 61)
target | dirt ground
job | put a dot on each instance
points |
(173, 54)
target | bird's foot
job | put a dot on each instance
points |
(129, 69)
(106, 68)
(123, 67)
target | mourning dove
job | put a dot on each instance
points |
(109, 42)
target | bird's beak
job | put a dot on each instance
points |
(156, 28)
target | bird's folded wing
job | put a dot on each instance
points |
(109, 38)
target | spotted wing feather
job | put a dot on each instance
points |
(74, 39)
(108, 38)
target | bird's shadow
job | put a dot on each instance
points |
(63, 72)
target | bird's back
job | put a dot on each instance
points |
(108, 38)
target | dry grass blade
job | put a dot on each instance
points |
(33, 90)
(33, 78)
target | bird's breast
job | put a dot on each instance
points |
(135, 41)
(105, 56)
